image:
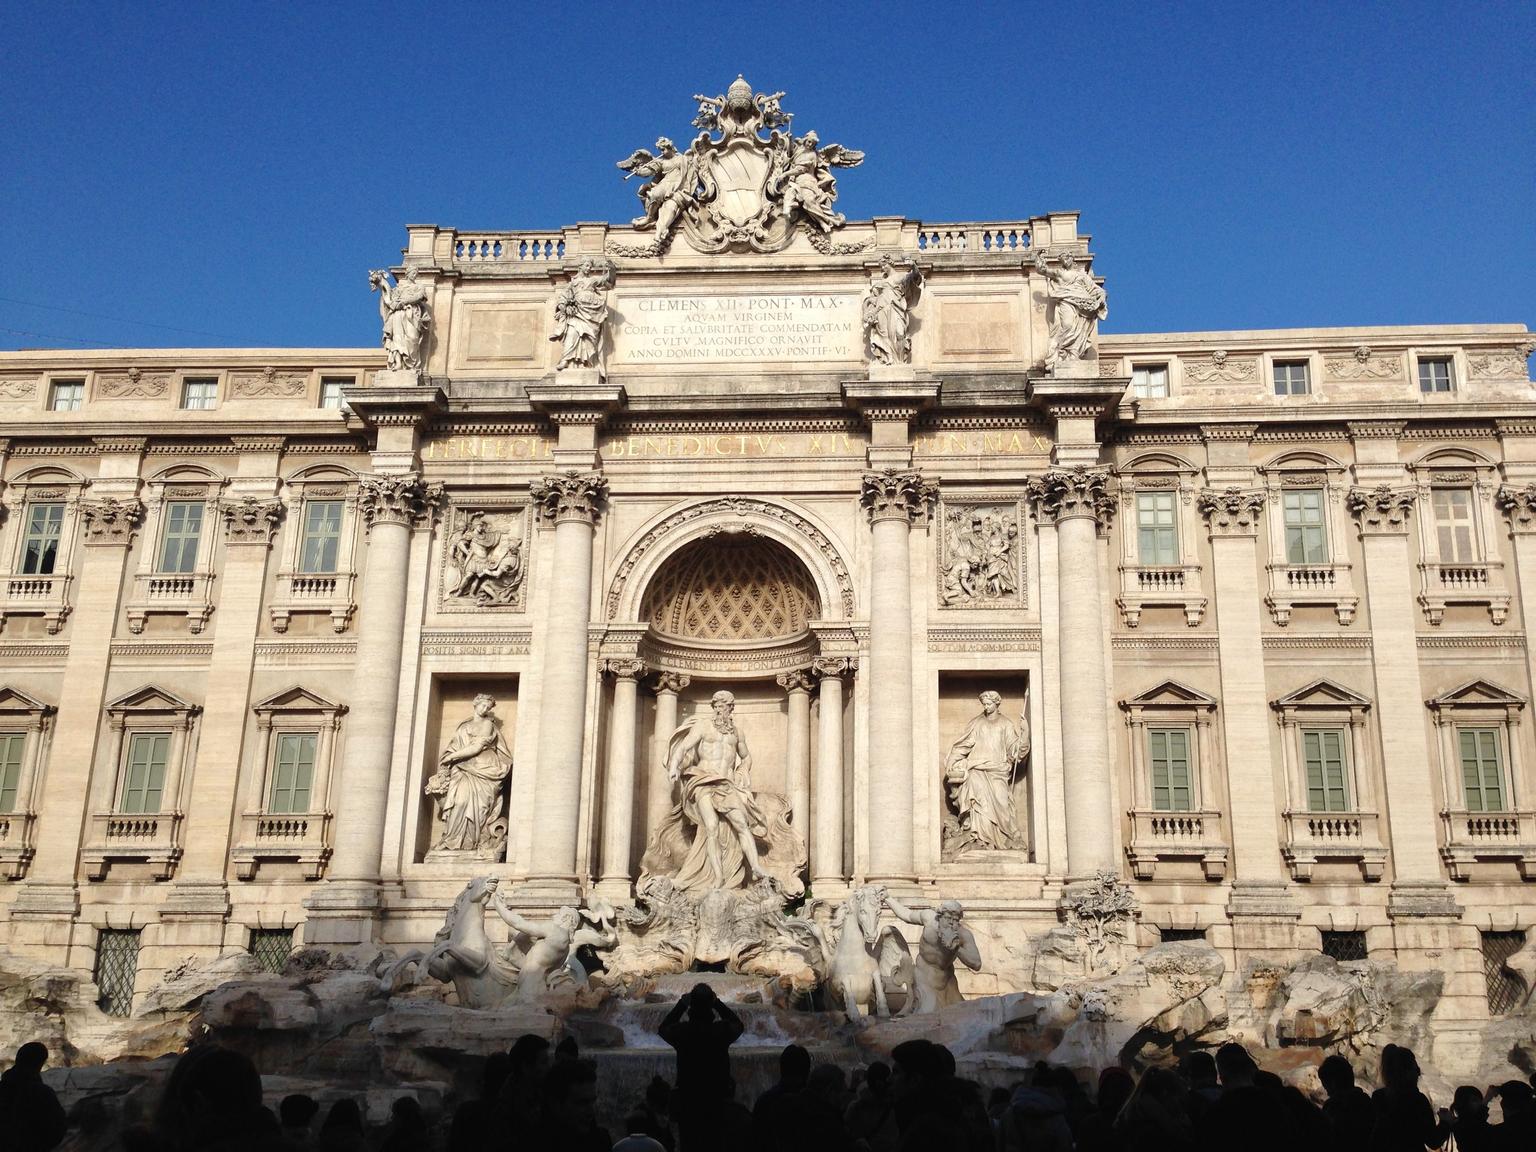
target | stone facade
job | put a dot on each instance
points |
(1270, 650)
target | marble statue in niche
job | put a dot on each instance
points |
(406, 314)
(467, 787)
(980, 564)
(979, 774)
(1080, 304)
(887, 312)
(581, 311)
(488, 558)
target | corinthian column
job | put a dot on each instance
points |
(343, 911)
(827, 843)
(797, 753)
(893, 499)
(572, 501)
(658, 793)
(619, 789)
(1075, 500)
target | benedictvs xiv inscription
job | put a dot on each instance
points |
(717, 329)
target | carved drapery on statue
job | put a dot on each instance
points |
(979, 773)
(484, 563)
(1080, 303)
(736, 189)
(468, 787)
(581, 311)
(887, 311)
(407, 315)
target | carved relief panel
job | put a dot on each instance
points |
(484, 563)
(981, 555)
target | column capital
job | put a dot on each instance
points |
(625, 668)
(1231, 511)
(386, 498)
(897, 494)
(1382, 510)
(570, 495)
(797, 680)
(1518, 503)
(1068, 493)
(111, 521)
(835, 666)
(250, 521)
(673, 682)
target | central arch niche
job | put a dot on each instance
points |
(733, 588)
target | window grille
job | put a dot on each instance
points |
(1344, 946)
(117, 967)
(271, 947)
(1182, 935)
(1504, 991)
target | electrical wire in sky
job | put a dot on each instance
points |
(111, 319)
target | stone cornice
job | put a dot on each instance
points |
(573, 403)
(1232, 433)
(1231, 511)
(570, 495)
(110, 521)
(1069, 493)
(1376, 429)
(1382, 510)
(384, 498)
(251, 521)
(894, 494)
(396, 407)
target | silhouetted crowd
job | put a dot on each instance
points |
(537, 1099)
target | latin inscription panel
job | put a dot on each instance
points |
(736, 329)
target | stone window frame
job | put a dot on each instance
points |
(1198, 833)
(1137, 363)
(152, 837)
(1478, 582)
(1310, 836)
(1151, 585)
(1272, 359)
(190, 375)
(1470, 838)
(39, 595)
(344, 379)
(1329, 584)
(1458, 360)
(188, 594)
(54, 379)
(300, 837)
(23, 713)
(330, 593)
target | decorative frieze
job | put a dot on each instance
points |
(24, 388)
(570, 495)
(134, 384)
(981, 556)
(1067, 493)
(485, 558)
(402, 499)
(894, 494)
(1502, 364)
(1221, 368)
(268, 383)
(110, 520)
(251, 521)
(1231, 511)
(1382, 510)
(1363, 364)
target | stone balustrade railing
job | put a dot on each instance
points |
(15, 843)
(1470, 837)
(1333, 836)
(1158, 835)
(303, 838)
(153, 838)
(997, 236)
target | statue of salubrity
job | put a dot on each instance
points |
(467, 786)
(1080, 304)
(980, 771)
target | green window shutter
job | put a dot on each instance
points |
(144, 783)
(1312, 756)
(11, 746)
(293, 773)
(1333, 771)
(183, 529)
(1482, 781)
(1181, 794)
(1157, 745)
(322, 536)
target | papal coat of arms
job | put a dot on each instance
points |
(732, 187)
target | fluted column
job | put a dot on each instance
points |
(827, 840)
(894, 499)
(619, 792)
(343, 911)
(1076, 500)
(797, 753)
(658, 794)
(572, 500)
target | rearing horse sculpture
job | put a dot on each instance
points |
(463, 954)
(864, 964)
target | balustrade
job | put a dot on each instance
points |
(1476, 836)
(1329, 836)
(1158, 835)
(153, 838)
(271, 837)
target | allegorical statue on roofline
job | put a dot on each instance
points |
(887, 311)
(1080, 304)
(407, 314)
(581, 311)
(734, 188)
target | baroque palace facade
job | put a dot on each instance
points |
(1256, 606)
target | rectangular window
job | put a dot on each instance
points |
(200, 394)
(293, 772)
(1168, 751)
(1453, 525)
(12, 744)
(183, 529)
(271, 947)
(330, 390)
(1344, 946)
(66, 395)
(322, 536)
(1157, 531)
(1149, 381)
(144, 777)
(1292, 378)
(1306, 539)
(1482, 782)
(1181, 935)
(1435, 374)
(117, 969)
(1505, 989)
(40, 544)
(1322, 753)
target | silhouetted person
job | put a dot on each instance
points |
(1203, 1088)
(407, 1127)
(1405, 1119)
(1518, 1128)
(1351, 1116)
(1037, 1116)
(212, 1099)
(31, 1117)
(871, 1116)
(653, 1116)
(1155, 1119)
(923, 1101)
(342, 1130)
(519, 1103)
(567, 1049)
(569, 1119)
(1096, 1131)
(776, 1117)
(1245, 1115)
(639, 1142)
(89, 1124)
(1469, 1121)
(295, 1114)
(471, 1129)
(701, 1030)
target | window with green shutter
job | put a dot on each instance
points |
(183, 529)
(293, 772)
(1305, 539)
(322, 536)
(1482, 782)
(144, 780)
(1168, 753)
(1156, 530)
(12, 744)
(1327, 771)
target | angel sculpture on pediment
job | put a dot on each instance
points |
(802, 178)
(677, 181)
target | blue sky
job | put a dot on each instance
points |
(225, 174)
